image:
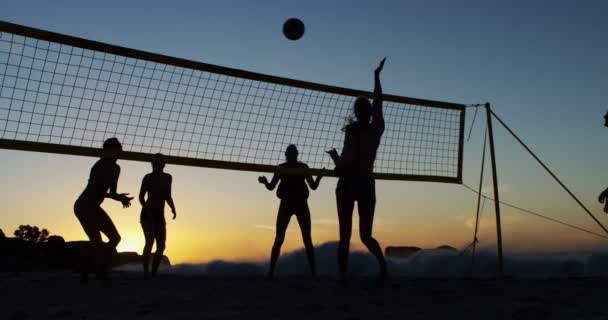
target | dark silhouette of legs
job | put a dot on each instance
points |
(154, 231)
(160, 236)
(92, 259)
(107, 227)
(346, 206)
(95, 220)
(366, 223)
(283, 218)
(303, 215)
(149, 236)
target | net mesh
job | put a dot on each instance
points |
(62, 94)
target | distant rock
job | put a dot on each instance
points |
(80, 250)
(123, 258)
(446, 247)
(401, 251)
(56, 245)
(55, 253)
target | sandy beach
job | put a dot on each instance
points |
(58, 295)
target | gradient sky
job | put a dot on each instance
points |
(541, 64)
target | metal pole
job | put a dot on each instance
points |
(495, 185)
(483, 160)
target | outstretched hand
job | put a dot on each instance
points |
(380, 66)
(263, 180)
(603, 196)
(125, 199)
(332, 153)
(320, 176)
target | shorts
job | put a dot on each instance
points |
(154, 225)
(297, 207)
(357, 189)
(94, 220)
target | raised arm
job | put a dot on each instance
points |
(603, 198)
(334, 156)
(269, 185)
(170, 198)
(313, 183)
(377, 115)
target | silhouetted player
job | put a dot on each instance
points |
(293, 193)
(355, 171)
(94, 220)
(604, 195)
(158, 187)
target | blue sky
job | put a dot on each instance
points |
(541, 64)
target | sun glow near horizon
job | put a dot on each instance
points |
(228, 215)
(211, 225)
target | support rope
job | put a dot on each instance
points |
(535, 213)
(549, 171)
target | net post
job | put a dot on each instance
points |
(461, 145)
(483, 163)
(495, 187)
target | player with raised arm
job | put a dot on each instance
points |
(354, 168)
(157, 185)
(103, 181)
(293, 193)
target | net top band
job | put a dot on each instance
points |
(185, 63)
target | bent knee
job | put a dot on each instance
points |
(367, 238)
(115, 240)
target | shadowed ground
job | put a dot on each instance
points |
(60, 296)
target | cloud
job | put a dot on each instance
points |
(264, 227)
(469, 222)
(325, 222)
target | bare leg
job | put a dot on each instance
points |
(304, 222)
(161, 236)
(108, 228)
(146, 257)
(283, 218)
(346, 206)
(86, 217)
(366, 222)
(149, 236)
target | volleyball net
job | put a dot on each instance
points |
(62, 94)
